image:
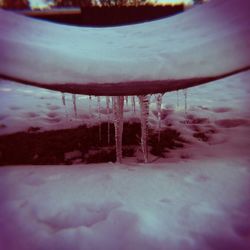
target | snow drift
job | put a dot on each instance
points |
(203, 44)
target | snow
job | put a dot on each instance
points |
(192, 204)
(204, 43)
(197, 197)
(40, 4)
(224, 103)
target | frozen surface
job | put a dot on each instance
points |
(195, 198)
(23, 107)
(200, 203)
(203, 43)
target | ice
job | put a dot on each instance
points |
(126, 100)
(195, 198)
(74, 104)
(108, 114)
(64, 104)
(133, 103)
(158, 105)
(99, 117)
(185, 92)
(63, 99)
(118, 104)
(177, 100)
(90, 105)
(144, 105)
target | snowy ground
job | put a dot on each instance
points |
(194, 204)
(196, 198)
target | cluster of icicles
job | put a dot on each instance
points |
(116, 105)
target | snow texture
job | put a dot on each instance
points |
(188, 204)
(195, 198)
(200, 45)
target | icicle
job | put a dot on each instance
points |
(133, 103)
(158, 104)
(74, 104)
(99, 117)
(108, 114)
(90, 105)
(64, 104)
(185, 96)
(144, 104)
(126, 100)
(118, 104)
(177, 100)
(63, 99)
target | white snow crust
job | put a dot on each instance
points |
(206, 41)
(195, 198)
(200, 203)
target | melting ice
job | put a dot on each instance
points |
(115, 110)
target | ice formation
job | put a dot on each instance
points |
(99, 117)
(118, 104)
(144, 104)
(74, 104)
(177, 100)
(108, 116)
(133, 103)
(159, 103)
(64, 104)
(185, 92)
(90, 105)
(131, 60)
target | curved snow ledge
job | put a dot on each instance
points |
(204, 44)
(123, 88)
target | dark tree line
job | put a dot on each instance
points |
(24, 4)
(104, 3)
(17, 4)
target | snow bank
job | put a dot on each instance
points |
(200, 45)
